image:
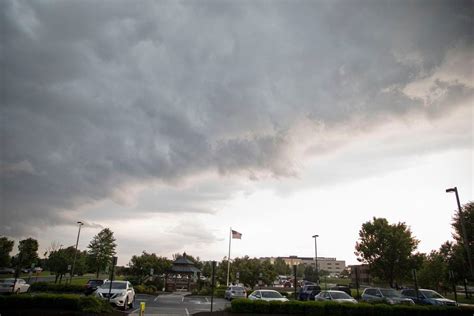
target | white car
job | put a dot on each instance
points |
(335, 296)
(9, 286)
(122, 293)
(267, 295)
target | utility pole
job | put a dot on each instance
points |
(75, 252)
(464, 232)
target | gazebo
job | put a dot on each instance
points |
(182, 275)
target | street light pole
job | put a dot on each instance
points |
(75, 252)
(463, 227)
(316, 257)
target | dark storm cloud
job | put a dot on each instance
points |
(100, 95)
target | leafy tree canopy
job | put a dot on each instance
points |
(387, 248)
(6, 246)
(28, 252)
(102, 248)
(140, 266)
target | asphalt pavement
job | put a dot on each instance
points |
(176, 304)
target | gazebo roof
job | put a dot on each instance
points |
(183, 265)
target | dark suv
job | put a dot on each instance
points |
(427, 297)
(92, 286)
(308, 292)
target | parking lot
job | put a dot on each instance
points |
(176, 304)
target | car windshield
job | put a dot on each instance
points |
(390, 293)
(115, 285)
(310, 288)
(95, 282)
(271, 294)
(340, 296)
(431, 294)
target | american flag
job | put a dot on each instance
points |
(236, 235)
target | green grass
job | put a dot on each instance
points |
(336, 281)
(461, 298)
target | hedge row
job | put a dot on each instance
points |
(334, 309)
(57, 288)
(70, 302)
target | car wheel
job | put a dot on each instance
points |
(17, 291)
(125, 304)
(132, 302)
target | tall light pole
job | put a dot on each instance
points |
(316, 257)
(463, 227)
(75, 252)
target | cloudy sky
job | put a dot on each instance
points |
(169, 122)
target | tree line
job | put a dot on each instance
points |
(58, 260)
(389, 250)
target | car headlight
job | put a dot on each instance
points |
(123, 293)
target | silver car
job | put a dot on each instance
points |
(121, 294)
(9, 286)
(267, 295)
(389, 296)
(234, 291)
(335, 296)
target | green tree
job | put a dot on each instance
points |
(101, 249)
(59, 260)
(300, 270)
(281, 268)
(386, 248)
(28, 252)
(6, 246)
(433, 271)
(310, 273)
(268, 273)
(454, 256)
(207, 269)
(460, 249)
(140, 265)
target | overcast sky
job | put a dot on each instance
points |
(169, 122)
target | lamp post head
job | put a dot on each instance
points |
(314, 236)
(80, 223)
(451, 190)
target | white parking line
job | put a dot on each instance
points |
(182, 300)
(134, 311)
(206, 299)
(156, 298)
(187, 312)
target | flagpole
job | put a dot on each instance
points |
(228, 258)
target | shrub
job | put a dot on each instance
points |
(145, 289)
(246, 306)
(55, 301)
(219, 292)
(57, 288)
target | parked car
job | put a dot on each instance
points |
(4, 270)
(9, 286)
(343, 288)
(92, 286)
(235, 291)
(389, 296)
(335, 296)
(37, 270)
(267, 295)
(122, 293)
(428, 297)
(308, 292)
